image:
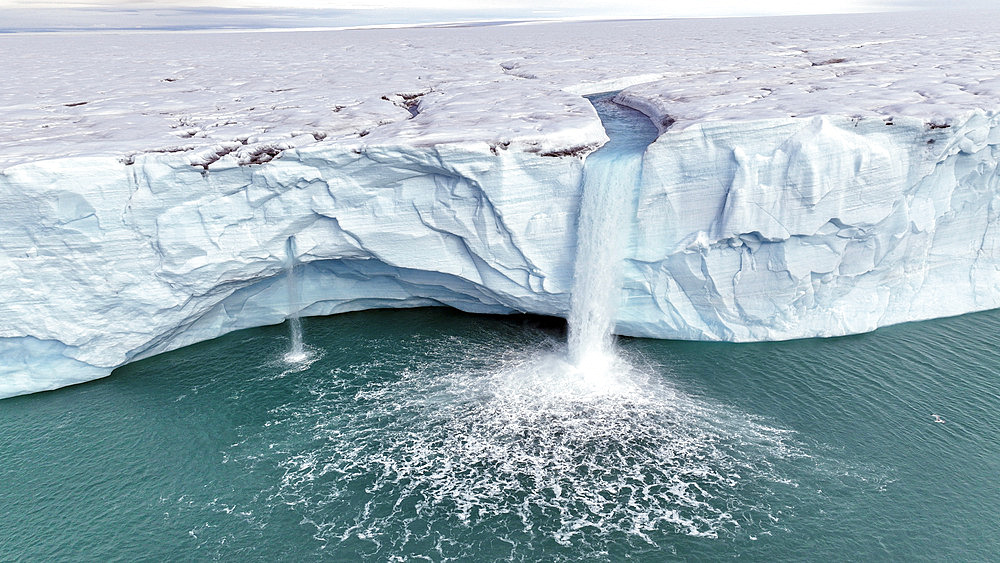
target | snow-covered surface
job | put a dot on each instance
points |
(813, 177)
(169, 91)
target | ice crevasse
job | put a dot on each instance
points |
(762, 228)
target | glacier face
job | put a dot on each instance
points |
(111, 262)
(753, 230)
(812, 177)
(791, 228)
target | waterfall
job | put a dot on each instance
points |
(606, 203)
(296, 352)
(611, 176)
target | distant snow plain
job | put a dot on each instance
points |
(120, 93)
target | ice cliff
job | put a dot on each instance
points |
(764, 211)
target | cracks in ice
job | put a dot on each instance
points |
(246, 155)
(486, 210)
(129, 158)
(510, 68)
(577, 151)
(494, 213)
(833, 61)
(354, 238)
(483, 269)
(727, 312)
(408, 101)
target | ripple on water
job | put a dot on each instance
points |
(528, 452)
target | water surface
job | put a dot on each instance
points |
(433, 434)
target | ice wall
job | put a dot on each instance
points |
(825, 226)
(107, 262)
(752, 230)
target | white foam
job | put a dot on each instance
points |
(528, 449)
(298, 358)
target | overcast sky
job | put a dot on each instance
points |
(25, 15)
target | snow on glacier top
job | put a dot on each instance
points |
(253, 94)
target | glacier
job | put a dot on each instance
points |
(759, 215)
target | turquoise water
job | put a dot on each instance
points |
(434, 434)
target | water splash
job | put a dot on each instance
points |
(296, 352)
(475, 439)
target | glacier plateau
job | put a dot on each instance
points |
(790, 194)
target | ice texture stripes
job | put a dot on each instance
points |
(755, 230)
(793, 228)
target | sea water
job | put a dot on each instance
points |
(412, 436)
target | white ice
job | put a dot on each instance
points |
(813, 177)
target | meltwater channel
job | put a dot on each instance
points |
(430, 434)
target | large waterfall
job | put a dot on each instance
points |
(610, 178)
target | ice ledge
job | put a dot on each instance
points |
(768, 229)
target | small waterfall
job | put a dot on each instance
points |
(610, 178)
(296, 352)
